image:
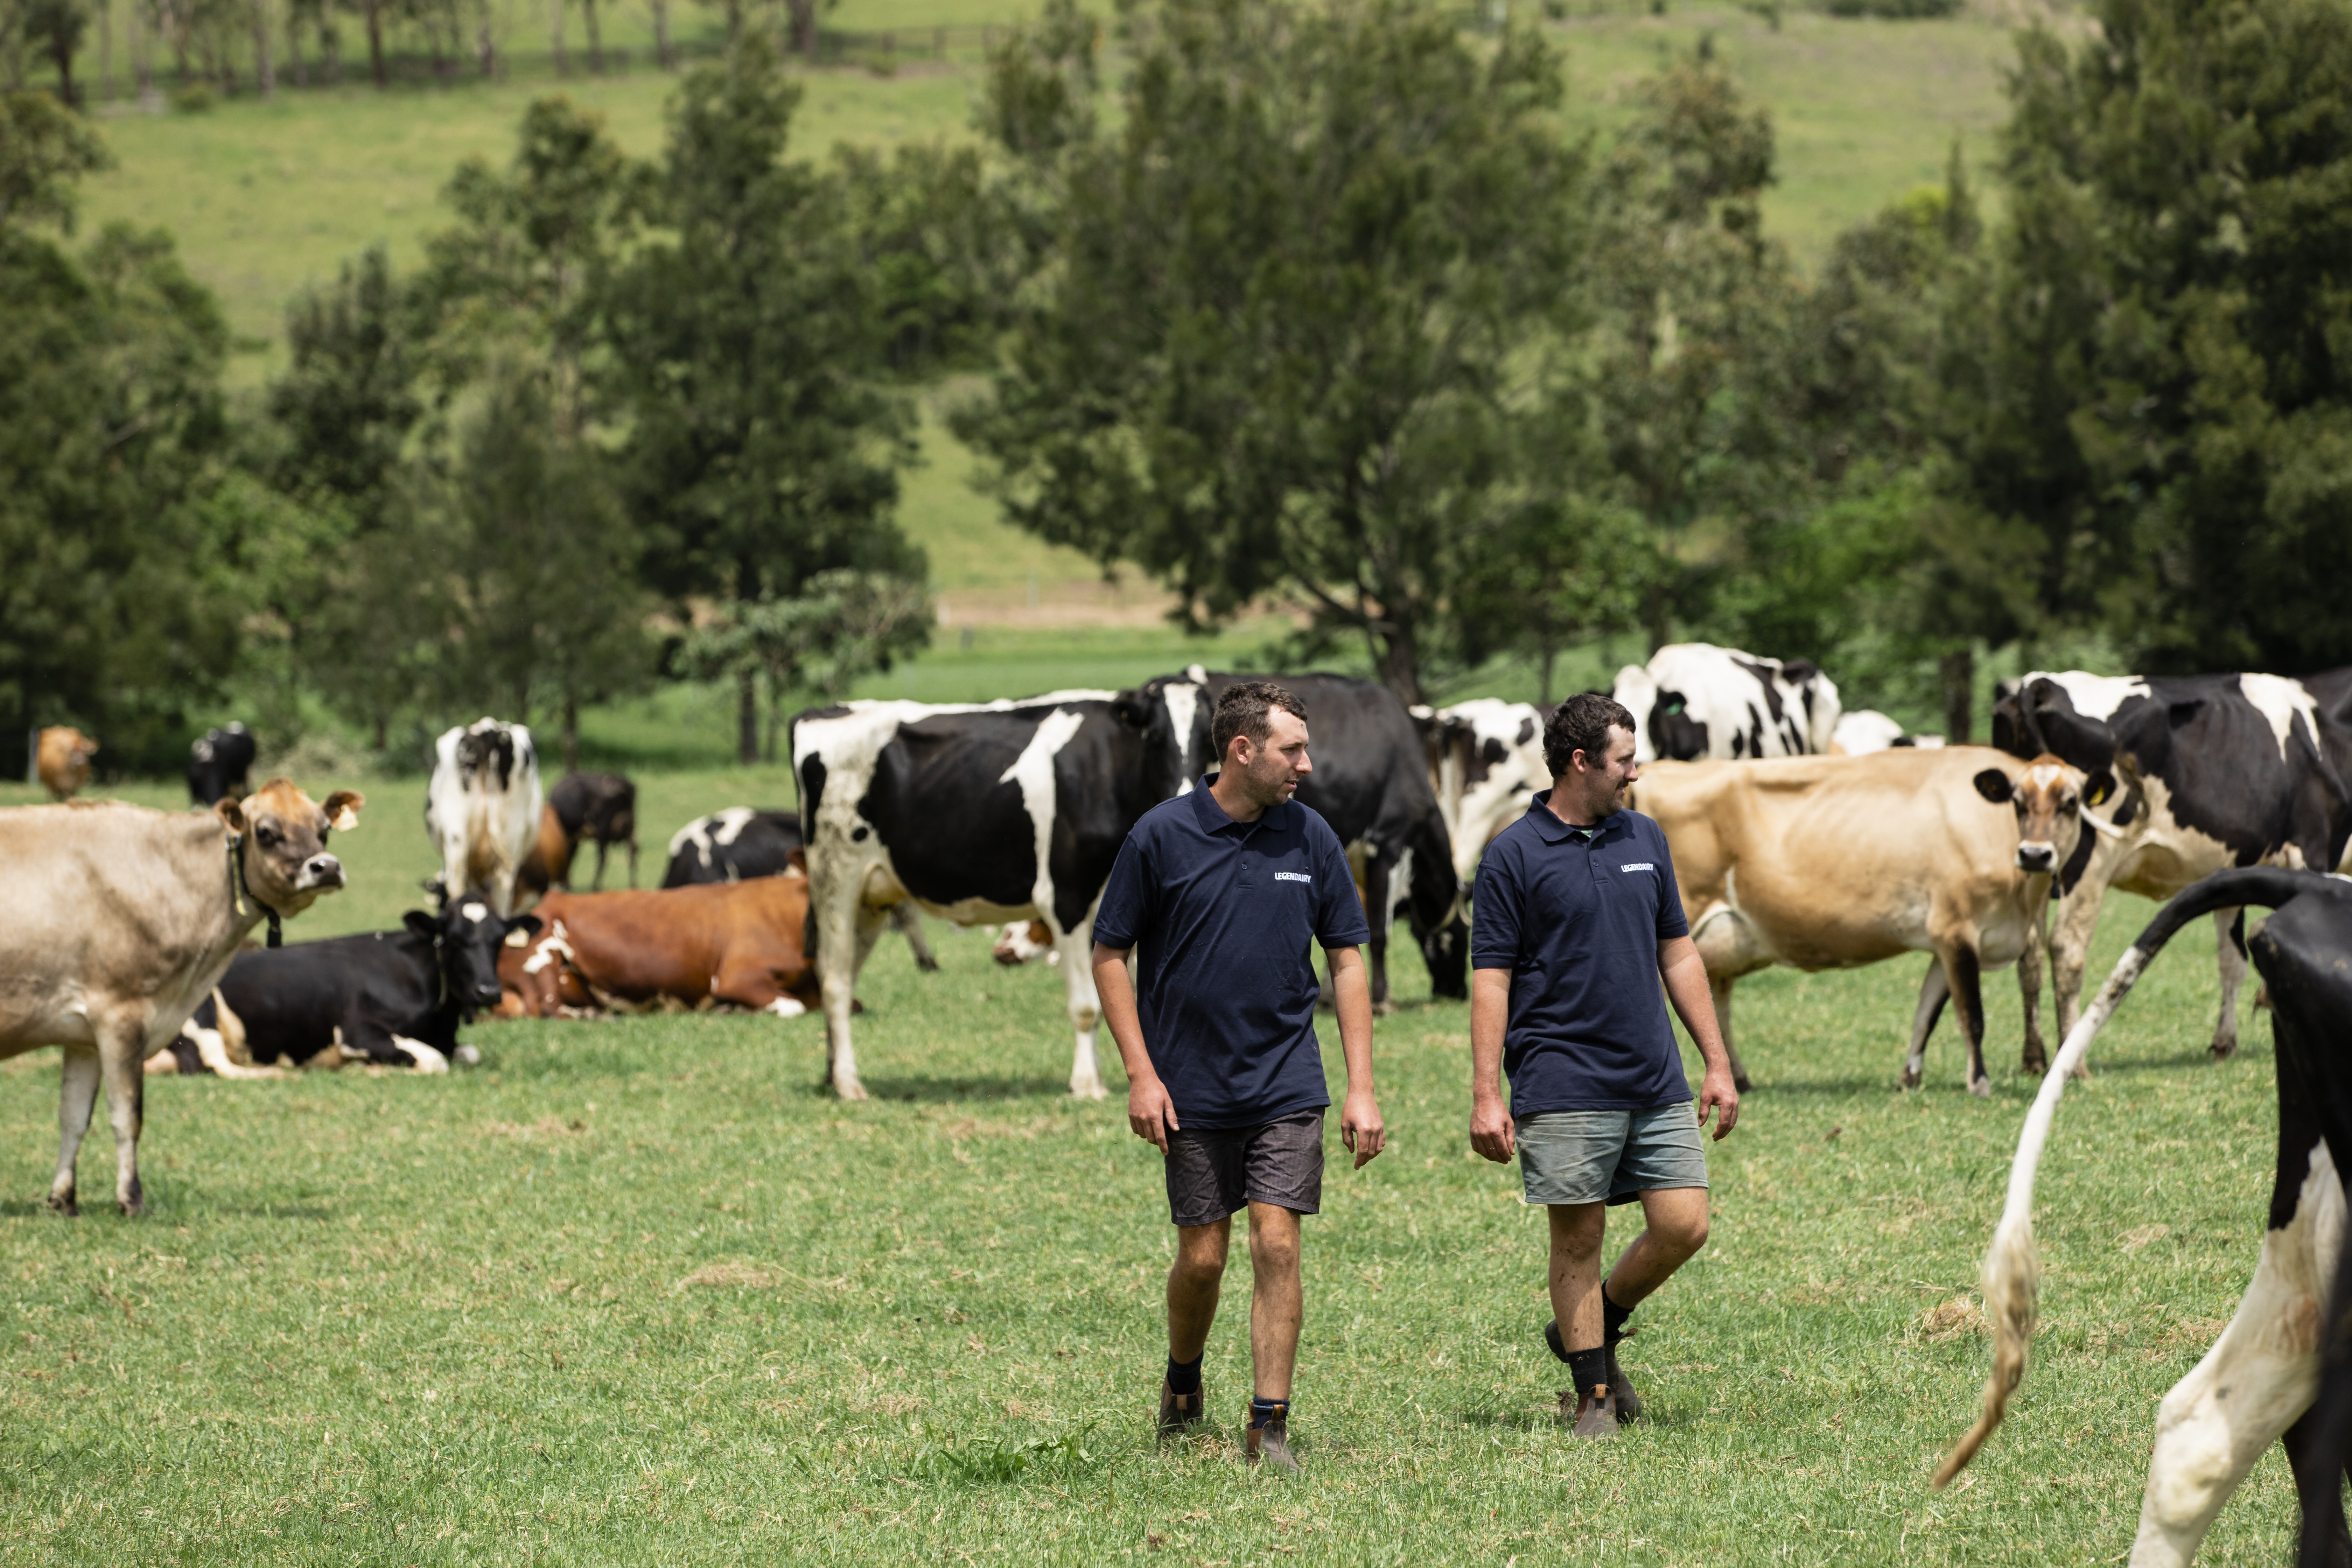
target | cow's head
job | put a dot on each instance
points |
(1172, 714)
(2048, 797)
(284, 848)
(466, 936)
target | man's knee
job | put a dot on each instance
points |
(1578, 1229)
(1680, 1229)
(1201, 1251)
(1274, 1245)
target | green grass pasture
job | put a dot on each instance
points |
(636, 1291)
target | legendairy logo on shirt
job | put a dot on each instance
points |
(1640, 865)
(1292, 877)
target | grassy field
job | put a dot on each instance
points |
(636, 1291)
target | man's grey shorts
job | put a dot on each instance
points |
(1212, 1173)
(1611, 1156)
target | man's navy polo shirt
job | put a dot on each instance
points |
(1576, 915)
(1220, 913)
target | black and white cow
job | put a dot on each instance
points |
(220, 764)
(742, 842)
(981, 815)
(1694, 699)
(391, 997)
(2262, 1375)
(1863, 731)
(1486, 761)
(1371, 782)
(599, 809)
(482, 809)
(2217, 771)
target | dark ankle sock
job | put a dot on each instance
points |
(1184, 1376)
(1612, 1319)
(1266, 1412)
(1589, 1368)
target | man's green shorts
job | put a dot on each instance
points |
(1611, 1156)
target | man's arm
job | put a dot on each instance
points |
(1684, 973)
(1360, 1128)
(1150, 1113)
(1491, 1132)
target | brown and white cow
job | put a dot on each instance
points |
(1835, 862)
(118, 920)
(729, 941)
(62, 760)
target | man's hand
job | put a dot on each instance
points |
(1360, 1128)
(1150, 1112)
(1491, 1132)
(1716, 1092)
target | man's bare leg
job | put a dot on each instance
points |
(1676, 1229)
(1194, 1282)
(1277, 1299)
(1576, 1232)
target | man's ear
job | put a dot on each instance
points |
(231, 814)
(342, 810)
(2098, 788)
(1995, 786)
(421, 924)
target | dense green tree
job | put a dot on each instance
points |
(843, 624)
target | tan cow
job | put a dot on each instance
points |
(118, 920)
(62, 759)
(1835, 862)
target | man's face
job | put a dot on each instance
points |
(1270, 773)
(1601, 790)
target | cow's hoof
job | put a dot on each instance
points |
(1742, 1085)
(853, 1089)
(1384, 1007)
(1094, 1091)
(64, 1207)
(1910, 1078)
(466, 1057)
(2034, 1067)
(2223, 1049)
(2082, 1073)
(1981, 1088)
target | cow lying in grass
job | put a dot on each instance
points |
(396, 998)
(2261, 1376)
(736, 942)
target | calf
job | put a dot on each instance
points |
(61, 758)
(119, 921)
(1833, 862)
(219, 762)
(391, 997)
(739, 942)
(482, 809)
(742, 842)
(1694, 699)
(2263, 1375)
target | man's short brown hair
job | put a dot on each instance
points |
(1247, 708)
(1582, 724)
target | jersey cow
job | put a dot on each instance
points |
(2217, 771)
(1694, 699)
(62, 759)
(2263, 1375)
(482, 810)
(1835, 862)
(118, 920)
(737, 943)
(1373, 783)
(741, 842)
(983, 815)
(396, 998)
(219, 764)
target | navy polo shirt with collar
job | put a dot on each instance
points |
(1220, 914)
(1576, 914)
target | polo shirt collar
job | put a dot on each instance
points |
(1552, 830)
(1213, 819)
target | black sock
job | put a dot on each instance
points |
(1589, 1368)
(1184, 1376)
(1266, 1412)
(1612, 1319)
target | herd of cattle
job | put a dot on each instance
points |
(1802, 834)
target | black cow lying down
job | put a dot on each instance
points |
(2260, 1380)
(391, 997)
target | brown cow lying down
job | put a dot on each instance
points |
(736, 942)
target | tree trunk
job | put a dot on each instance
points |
(380, 740)
(595, 39)
(562, 57)
(440, 64)
(1550, 656)
(661, 32)
(484, 49)
(747, 717)
(734, 22)
(570, 728)
(294, 47)
(62, 52)
(803, 15)
(105, 51)
(137, 41)
(1396, 658)
(264, 68)
(1958, 671)
(375, 9)
(331, 50)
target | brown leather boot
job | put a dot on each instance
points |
(1593, 1413)
(1180, 1411)
(1270, 1446)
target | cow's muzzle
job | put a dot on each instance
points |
(319, 871)
(488, 994)
(2036, 857)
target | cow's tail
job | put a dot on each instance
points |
(2012, 1269)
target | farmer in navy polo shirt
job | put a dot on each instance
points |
(1577, 922)
(1219, 892)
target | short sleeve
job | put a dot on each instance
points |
(1495, 909)
(1126, 911)
(1339, 919)
(1672, 921)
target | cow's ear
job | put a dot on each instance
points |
(420, 922)
(798, 860)
(2098, 788)
(231, 812)
(1128, 710)
(342, 810)
(527, 925)
(1994, 785)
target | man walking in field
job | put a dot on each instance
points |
(1219, 892)
(1578, 921)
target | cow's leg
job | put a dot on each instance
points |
(2229, 940)
(633, 861)
(1965, 976)
(121, 1059)
(2259, 1378)
(78, 1093)
(1719, 991)
(2035, 1058)
(910, 921)
(1935, 990)
(844, 941)
(597, 886)
(2310, 1485)
(1376, 914)
(1077, 950)
(2070, 947)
